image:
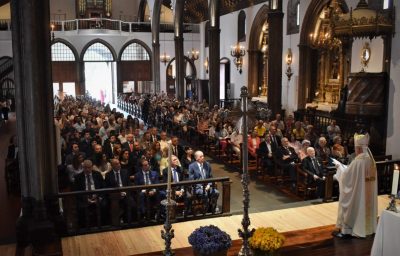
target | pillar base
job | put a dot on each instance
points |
(35, 229)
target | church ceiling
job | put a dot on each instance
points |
(196, 11)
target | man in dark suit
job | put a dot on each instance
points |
(154, 134)
(147, 197)
(118, 177)
(201, 170)
(176, 177)
(85, 144)
(179, 193)
(275, 139)
(287, 158)
(315, 170)
(89, 180)
(265, 153)
(108, 146)
(177, 149)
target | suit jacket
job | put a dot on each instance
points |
(108, 148)
(180, 153)
(179, 172)
(194, 171)
(126, 145)
(263, 150)
(111, 179)
(312, 169)
(11, 153)
(153, 175)
(80, 181)
(157, 138)
(286, 152)
(275, 142)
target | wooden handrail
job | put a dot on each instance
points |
(105, 213)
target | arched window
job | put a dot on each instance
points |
(135, 51)
(206, 31)
(293, 17)
(241, 26)
(61, 52)
(98, 52)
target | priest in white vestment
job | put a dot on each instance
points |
(358, 207)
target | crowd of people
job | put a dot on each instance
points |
(100, 148)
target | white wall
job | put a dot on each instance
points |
(376, 60)
(393, 124)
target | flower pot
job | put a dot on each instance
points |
(219, 253)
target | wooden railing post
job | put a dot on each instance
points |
(329, 184)
(226, 196)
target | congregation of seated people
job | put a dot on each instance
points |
(99, 148)
(91, 131)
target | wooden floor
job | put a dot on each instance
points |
(144, 240)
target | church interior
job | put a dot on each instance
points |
(127, 126)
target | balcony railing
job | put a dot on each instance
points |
(116, 25)
(107, 24)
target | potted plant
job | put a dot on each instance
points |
(266, 241)
(210, 240)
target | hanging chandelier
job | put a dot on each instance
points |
(237, 52)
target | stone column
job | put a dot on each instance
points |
(35, 126)
(155, 32)
(179, 56)
(214, 53)
(275, 49)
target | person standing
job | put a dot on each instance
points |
(358, 205)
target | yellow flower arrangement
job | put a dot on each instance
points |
(266, 239)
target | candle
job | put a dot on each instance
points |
(169, 171)
(395, 182)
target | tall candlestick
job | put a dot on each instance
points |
(169, 172)
(395, 182)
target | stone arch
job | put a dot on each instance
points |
(69, 45)
(98, 40)
(140, 42)
(308, 55)
(254, 49)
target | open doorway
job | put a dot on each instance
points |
(100, 73)
(99, 80)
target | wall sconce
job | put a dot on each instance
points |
(193, 55)
(206, 65)
(237, 52)
(164, 58)
(289, 59)
(52, 26)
